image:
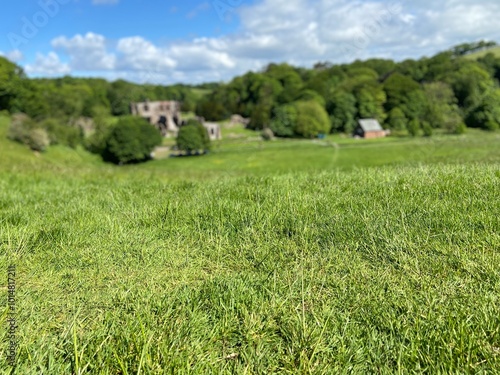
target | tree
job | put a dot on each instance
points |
(193, 137)
(284, 120)
(211, 110)
(96, 142)
(312, 119)
(381, 66)
(415, 105)
(341, 107)
(414, 127)
(486, 114)
(131, 140)
(396, 119)
(416, 70)
(469, 83)
(11, 78)
(371, 100)
(397, 88)
(289, 79)
(443, 111)
(62, 133)
(312, 95)
(427, 129)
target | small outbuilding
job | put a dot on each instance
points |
(213, 130)
(369, 129)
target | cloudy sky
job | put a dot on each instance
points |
(195, 41)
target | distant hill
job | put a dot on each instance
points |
(476, 55)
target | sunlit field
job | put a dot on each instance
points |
(333, 256)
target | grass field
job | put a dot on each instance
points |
(281, 257)
(494, 50)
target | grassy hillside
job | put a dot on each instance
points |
(244, 156)
(291, 257)
(477, 55)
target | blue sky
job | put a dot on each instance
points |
(212, 40)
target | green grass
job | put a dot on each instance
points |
(279, 257)
(477, 55)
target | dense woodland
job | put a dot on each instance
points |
(445, 91)
(451, 90)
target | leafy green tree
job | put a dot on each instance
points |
(413, 127)
(120, 94)
(343, 112)
(312, 95)
(290, 81)
(469, 83)
(325, 81)
(11, 78)
(416, 70)
(382, 67)
(284, 121)
(131, 140)
(443, 111)
(396, 119)
(427, 129)
(193, 137)
(398, 87)
(261, 116)
(416, 105)
(486, 114)
(96, 142)
(460, 129)
(60, 132)
(211, 110)
(312, 119)
(371, 100)
(466, 48)
(439, 66)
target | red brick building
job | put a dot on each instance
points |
(368, 129)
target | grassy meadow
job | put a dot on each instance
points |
(476, 55)
(295, 257)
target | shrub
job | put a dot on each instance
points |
(461, 128)
(38, 139)
(427, 129)
(312, 119)
(396, 119)
(62, 133)
(24, 130)
(413, 127)
(131, 140)
(193, 137)
(96, 142)
(267, 134)
(284, 121)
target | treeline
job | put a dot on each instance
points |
(70, 97)
(446, 91)
(73, 111)
(450, 91)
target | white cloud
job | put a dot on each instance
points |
(140, 54)
(301, 32)
(14, 56)
(87, 52)
(48, 65)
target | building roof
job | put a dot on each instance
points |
(370, 125)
